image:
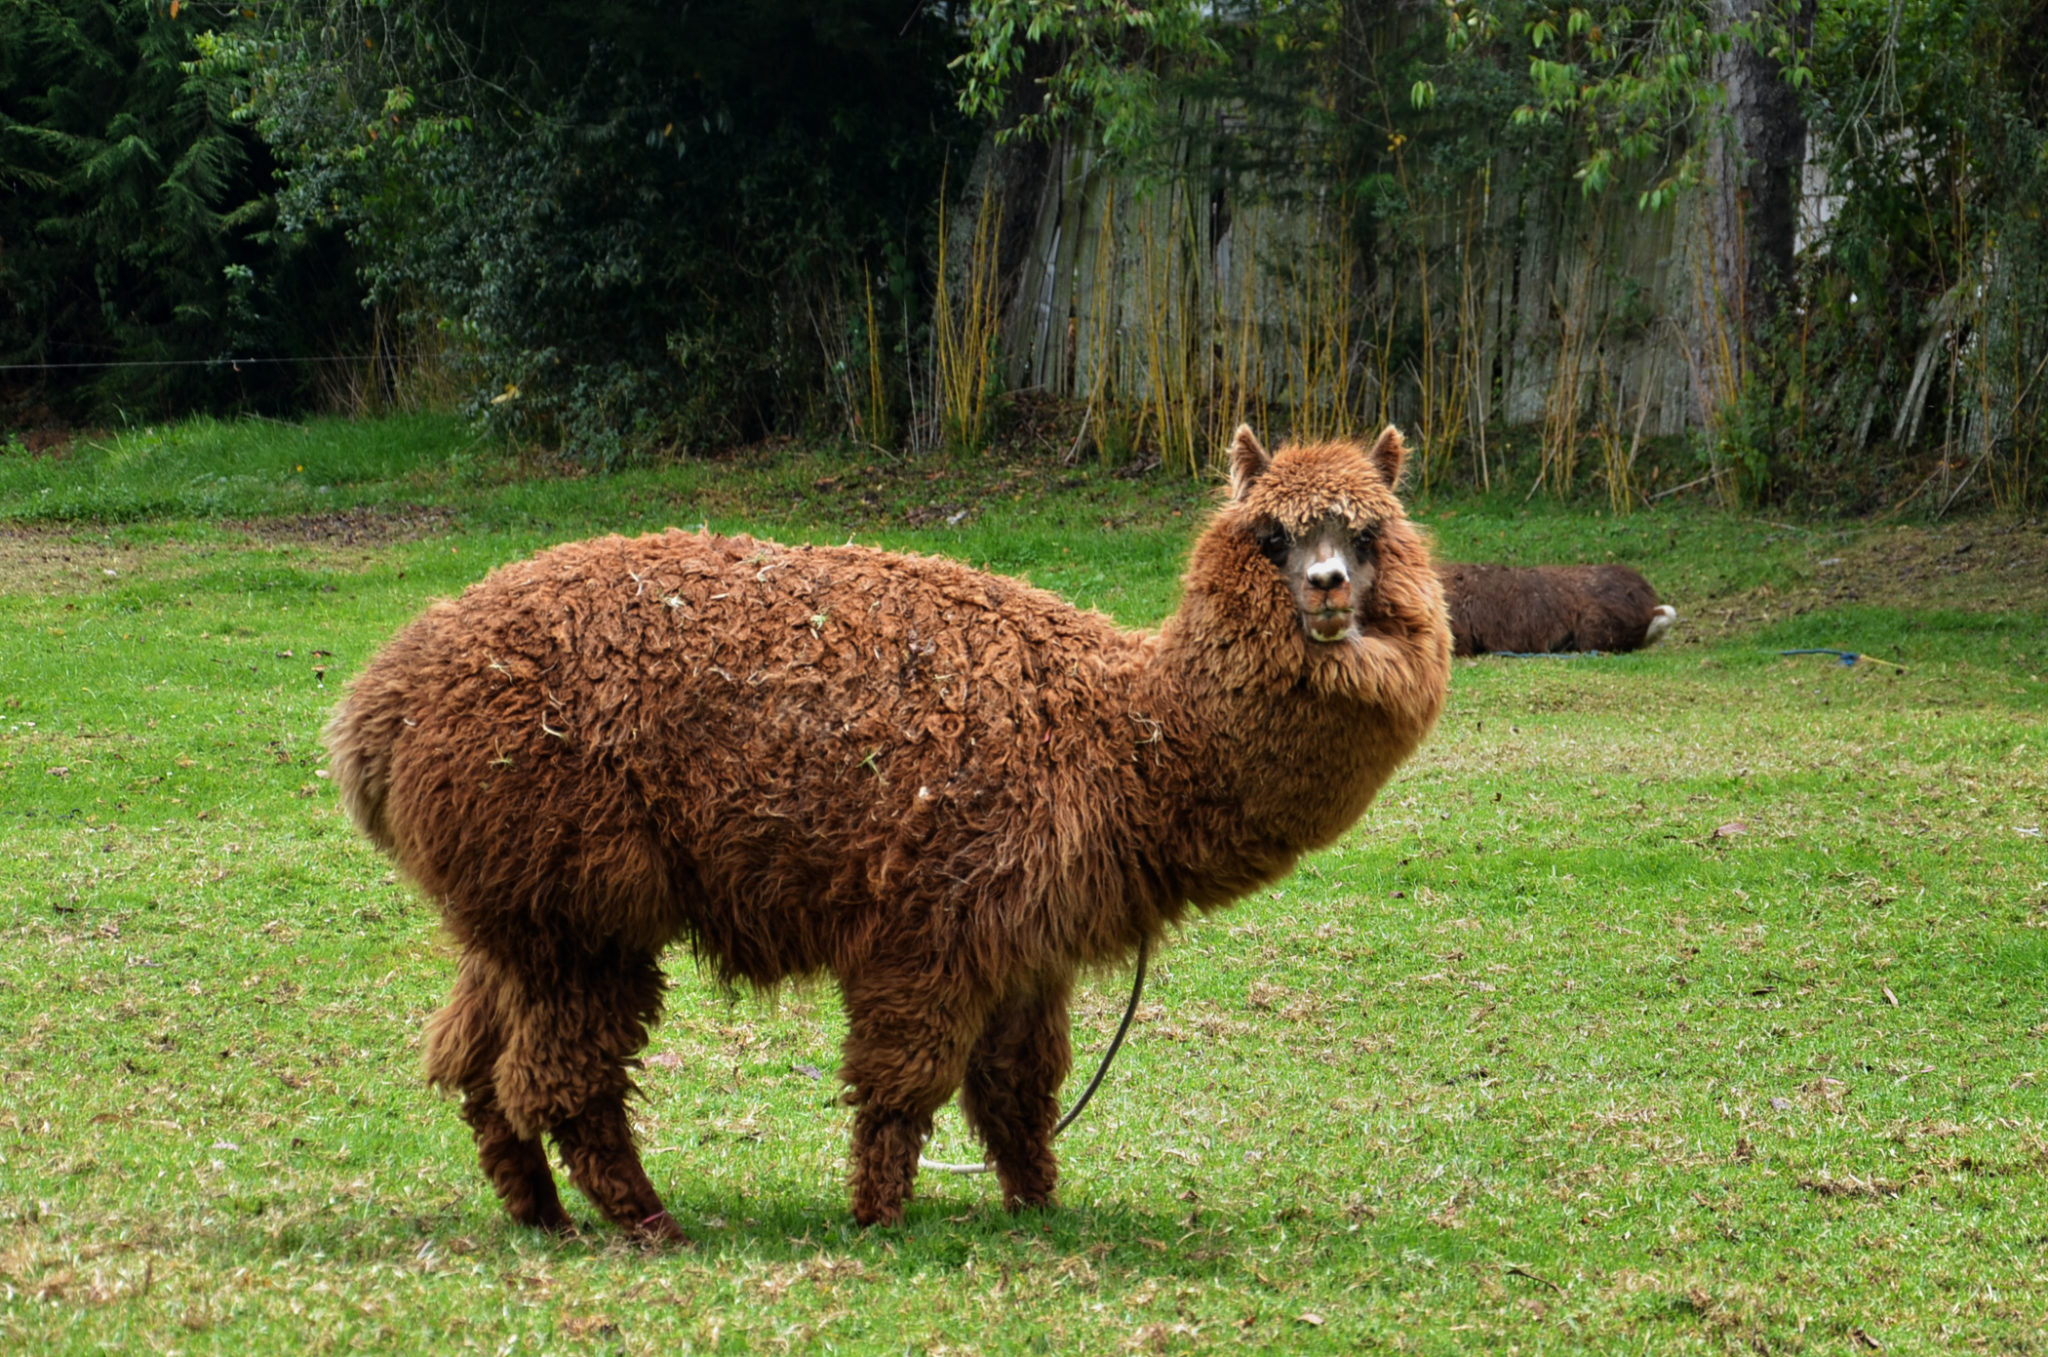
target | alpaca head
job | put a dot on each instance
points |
(1322, 516)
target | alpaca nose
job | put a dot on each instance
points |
(1327, 574)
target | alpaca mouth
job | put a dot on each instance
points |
(1329, 625)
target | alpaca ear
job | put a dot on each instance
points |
(1389, 456)
(1248, 461)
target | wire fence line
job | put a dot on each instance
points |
(194, 362)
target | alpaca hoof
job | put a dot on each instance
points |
(660, 1228)
(886, 1217)
(558, 1231)
(552, 1220)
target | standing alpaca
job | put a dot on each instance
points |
(1551, 608)
(947, 788)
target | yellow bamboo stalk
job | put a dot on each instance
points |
(879, 431)
(965, 334)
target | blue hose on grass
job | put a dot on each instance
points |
(1848, 658)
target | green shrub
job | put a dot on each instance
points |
(134, 218)
(631, 221)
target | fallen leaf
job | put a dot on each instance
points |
(1731, 829)
(1781, 1105)
(1310, 1318)
(1889, 997)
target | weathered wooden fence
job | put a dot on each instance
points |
(1177, 305)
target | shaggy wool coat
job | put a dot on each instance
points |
(1547, 608)
(946, 788)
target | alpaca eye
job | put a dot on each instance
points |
(1366, 542)
(1274, 543)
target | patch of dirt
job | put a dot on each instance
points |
(1981, 566)
(35, 560)
(354, 527)
(40, 429)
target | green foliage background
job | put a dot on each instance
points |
(638, 223)
(626, 228)
(136, 219)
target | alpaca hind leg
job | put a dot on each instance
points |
(1011, 1092)
(563, 1070)
(462, 1047)
(904, 1058)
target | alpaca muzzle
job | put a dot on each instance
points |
(1329, 625)
(1326, 607)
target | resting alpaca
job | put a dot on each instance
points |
(1544, 608)
(947, 788)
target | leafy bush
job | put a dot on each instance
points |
(630, 220)
(134, 216)
(1923, 329)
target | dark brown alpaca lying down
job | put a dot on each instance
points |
(1545, 608)
(946, 788)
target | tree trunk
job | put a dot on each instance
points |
(1755, 160)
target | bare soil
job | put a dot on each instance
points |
(36, 561)
(40, 560)
(354, 527)
(1987, 565)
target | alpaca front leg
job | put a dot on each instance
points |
(517, 1168)
(904, 1058)
(1011, 1092)
(597, 1146)
(885, 1149)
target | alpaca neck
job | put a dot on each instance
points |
(1281, 743)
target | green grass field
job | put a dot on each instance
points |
(1692, 1000)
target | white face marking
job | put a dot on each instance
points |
(1328, 568)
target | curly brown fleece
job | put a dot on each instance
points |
(946, 788)
(1547, 608)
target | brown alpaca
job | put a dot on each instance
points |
(947, 788)
(1546, 608)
